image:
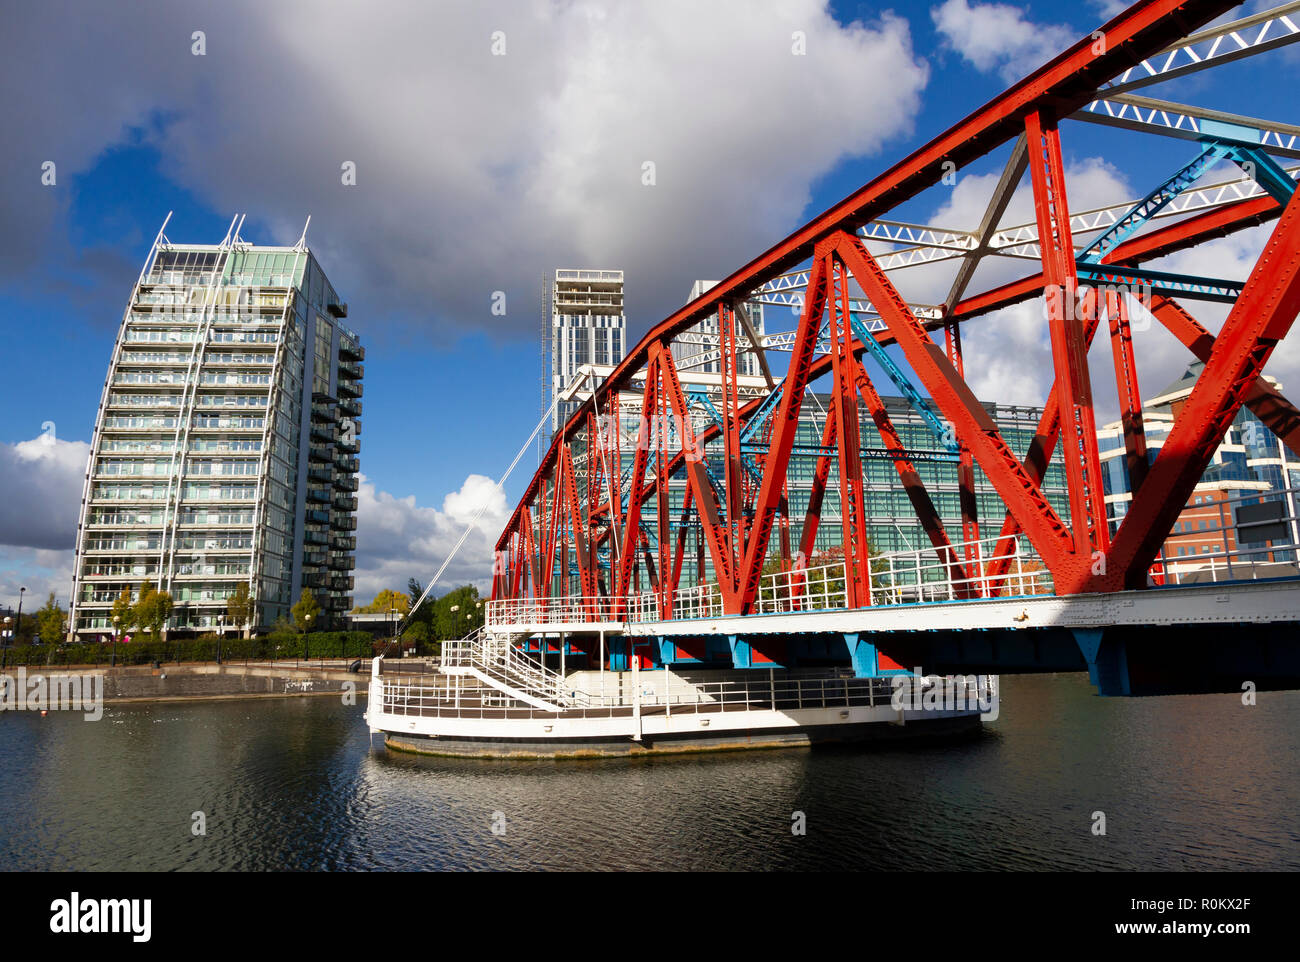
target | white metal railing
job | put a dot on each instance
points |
(920, 576)
(500, 660)
(913, 577)
(584, 609)
(454, 696)
(1231, 560)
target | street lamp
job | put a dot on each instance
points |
(306, 645)
(117, 621)
(221, 633)
(4, 642)
(18, 625)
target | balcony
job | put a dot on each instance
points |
(345, 503)
(315, 579)
(342, 583)
(351, 349)
(346, 465)
(349, 388)
(343, 542)
(344, 482)
(323, 475)
(319, 454)
(314, 536)
(349, 406)
(351, 369)
(319, 495)
(342, 562)
(322, 431)
(319, 517)
(345, 524)
(322, 412)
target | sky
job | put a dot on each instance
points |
(493, 143)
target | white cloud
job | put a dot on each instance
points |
(475, 172)
(40, 491)
(37, 570)
(397, 539)
(996, 36)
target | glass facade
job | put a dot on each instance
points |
(233, 382)
(891, 521)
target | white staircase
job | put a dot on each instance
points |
(495, 661)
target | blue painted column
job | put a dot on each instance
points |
(618, 654)
(742, 656)
(862, 655)
(1107, 660)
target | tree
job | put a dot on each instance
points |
(122, 615)
(239, 607)
(50, 621)
(306, 612)
(457, 613)
(152, 609)
(386, 601)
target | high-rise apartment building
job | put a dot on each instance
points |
(226, 445)
(588, 328)
(697, 348)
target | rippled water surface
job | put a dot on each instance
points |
(1193, 782)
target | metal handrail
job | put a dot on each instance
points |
(766, 692)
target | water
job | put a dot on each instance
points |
(1191, 782)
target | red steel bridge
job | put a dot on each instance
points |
(659, 459)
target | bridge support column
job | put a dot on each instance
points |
(1107, 660)
(742, 656)
(771, 653)
(863, 656)
(619, 654)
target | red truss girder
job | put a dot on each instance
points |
(1261, 317)
(1080, 556)
(1065, 84)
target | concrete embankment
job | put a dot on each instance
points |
(143, 683)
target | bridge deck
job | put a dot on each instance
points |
(1251, 602)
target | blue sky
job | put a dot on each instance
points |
(451, 391)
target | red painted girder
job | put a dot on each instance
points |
(585, 574)
(1262, 315)
(697, 478)
(813, 513)
(959, 405)
(913, 486)
(785, 428)
(1130, 395)
(1148, 246)
(1039, 454)
(849, 448)
(1278, 414)
(970, 527)
(1065, 84)
(1069, 352)
(632, 523)
(1194, 230)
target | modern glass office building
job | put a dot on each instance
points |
(1250, 466)
(226, 444)
(891, 522)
